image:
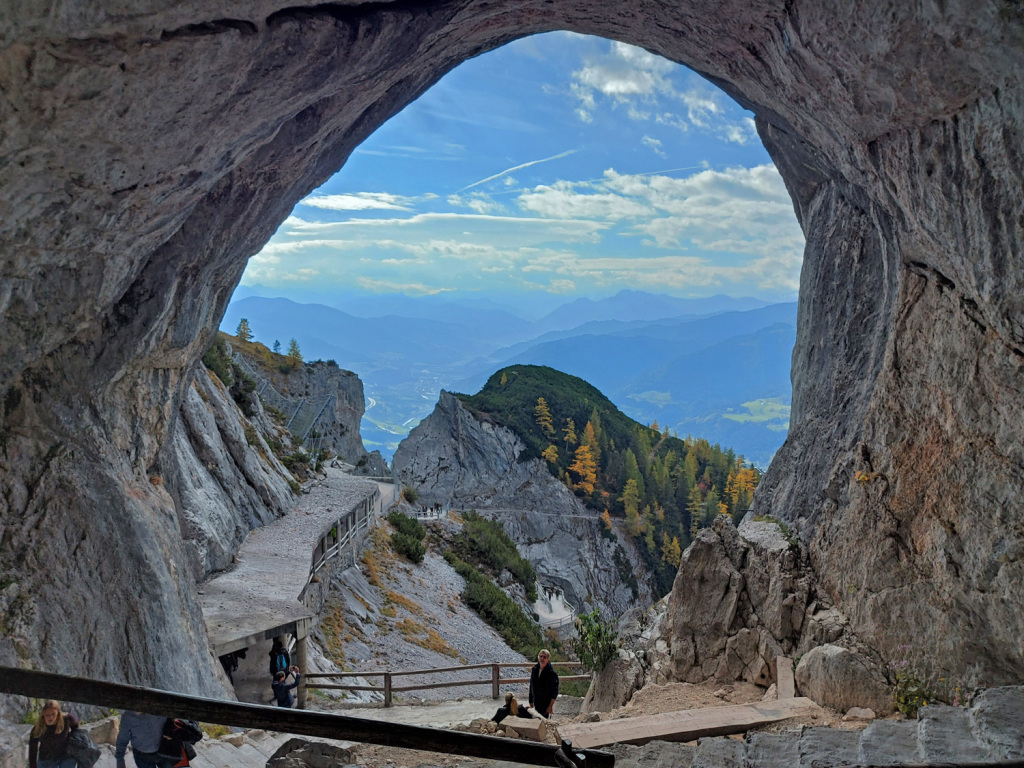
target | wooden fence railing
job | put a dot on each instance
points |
(388, 688)
(46, 685)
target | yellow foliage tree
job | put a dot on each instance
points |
(671, 552)
(584, 468)
(542, 415)
(551, 454)
(606, 518)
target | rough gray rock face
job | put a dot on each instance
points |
(149, 150)
(453, 458)
(741, 599)
(222, 486)
(339, 424)
(840, 679)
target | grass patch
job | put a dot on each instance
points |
(768, 409)
(416, 633)
(393, 598)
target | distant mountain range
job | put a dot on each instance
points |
(714, 368)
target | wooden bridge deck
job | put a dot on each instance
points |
(686, 725)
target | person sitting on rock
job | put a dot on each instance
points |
(48, 740)
(283, 690)
(511, 707)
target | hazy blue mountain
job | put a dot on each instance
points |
(691, 372)
(626, 350)
(640, 305)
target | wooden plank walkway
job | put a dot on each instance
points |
(686, 725)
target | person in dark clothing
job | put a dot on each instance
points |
(280, 661)
(283, 690)
(543, 685)
(48, 741)
(511, 707)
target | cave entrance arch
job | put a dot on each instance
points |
(583, 152)
(148, 155)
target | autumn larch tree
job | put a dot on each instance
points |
(542, 415)
(550, 454)
(293, 351)
(242, 332)
(584, 468)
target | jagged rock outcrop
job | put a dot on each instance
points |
(147, 153)
(742, 598)
(338, 422)
(453, 458)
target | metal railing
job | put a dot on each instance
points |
(334, 539)
(98, 693)
(301, 414)
(388, 688)
(567, 621)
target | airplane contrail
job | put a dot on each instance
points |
(516, 168)
(587, 181)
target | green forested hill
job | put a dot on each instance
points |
(663, 487)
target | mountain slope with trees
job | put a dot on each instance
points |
(663, 487)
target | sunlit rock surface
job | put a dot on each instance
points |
(149, 148)
(452, 458)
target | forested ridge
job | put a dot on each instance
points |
(663, 487)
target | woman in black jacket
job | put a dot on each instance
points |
(48, 741)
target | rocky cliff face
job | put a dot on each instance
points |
(149, 151)
(338, 423)
(224, 479)
(452, 458)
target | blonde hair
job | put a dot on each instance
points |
(512, 704)
(40, 727)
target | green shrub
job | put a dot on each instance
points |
(596, 643)
(407, 540)
(409, 494)
(217, 360)
(408, 546)
(485, 542)
(410, 526)
(250, 435)
(497, 609)
(625, 569)
(241, 390)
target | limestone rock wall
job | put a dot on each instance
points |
(223, 486)
(149, 149)
(340, 423)
(453, 458)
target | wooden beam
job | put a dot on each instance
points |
(686, 725)
(784, 682)
(46, 685)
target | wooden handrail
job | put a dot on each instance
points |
(500, 665)
(47, 685)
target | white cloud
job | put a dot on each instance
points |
(564, 201)
(360, 201)
(654, 144)
(385, 286)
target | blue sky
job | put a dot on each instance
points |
(556, 167)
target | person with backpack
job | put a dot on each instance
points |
(48, 740)
(283, 689)
(145, 734)
(280, 661)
